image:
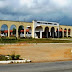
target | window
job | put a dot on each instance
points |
(55, 24)
(49, 23)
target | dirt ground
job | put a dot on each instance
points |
(41, 52)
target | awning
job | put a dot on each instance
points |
(27, 30)
(6, 31)
(11, 30)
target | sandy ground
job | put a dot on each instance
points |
(41, 52)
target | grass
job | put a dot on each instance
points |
(26, 40)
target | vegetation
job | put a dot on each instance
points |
(30, 40)
(15, 57)
(14, 31)
(2, 57)
(9, 57)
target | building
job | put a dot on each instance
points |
(36, 29)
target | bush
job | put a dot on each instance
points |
(2, 57)
(13, 57)
(17, 57)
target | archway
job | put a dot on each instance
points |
(38, 32)
(60, 33)
(21, 31)
(52, 32)
(65, 32)
(46, 32)
(69, 32)
(4, 30)
(57, 33)
(13, 31)
(28, 31)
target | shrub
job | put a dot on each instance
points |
(2, 57)
(13, 57)
(17, 57)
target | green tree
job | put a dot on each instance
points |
(20, 28)
(14, 31)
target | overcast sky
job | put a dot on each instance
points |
(28, 10)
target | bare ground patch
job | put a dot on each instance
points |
(41, 52)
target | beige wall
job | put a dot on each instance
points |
(25, 24)
(17, 24)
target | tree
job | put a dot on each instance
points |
(14, 31)
(20, 28)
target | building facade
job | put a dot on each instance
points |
(35, 29)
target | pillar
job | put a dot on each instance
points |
(33, 36)
(67, 33)
(63, 33)
(33, 30)
(55, 32)
(50, 31)
(24, 32)
(8, 32)
(40, 34)
(17, 32)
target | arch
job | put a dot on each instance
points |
(60, 32)
(21, 31)
(13, 31)
(38, 32)
(52, 32)
(65, 32)
(4, 30)
(28, 31)
(38, 28)
(69, 32)
(46, 32)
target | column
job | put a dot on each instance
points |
(55, 32)
(50, 31)
(40, 34)
(8, 32)
(67, 33)
(33, 30)
(24, 32)
(63, 33)
(17, 32)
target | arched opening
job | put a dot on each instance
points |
(13, 31)
(53, 32)
(60, 33)
(28, 31)
(69, 32)
(4, 30)
(65, 32)
(46, 35)
(56, 33)
(38, 32)
(21, 31)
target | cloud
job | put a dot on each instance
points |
(53, 10)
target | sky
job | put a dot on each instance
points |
(44, 10)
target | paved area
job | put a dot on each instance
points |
(38, 67)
